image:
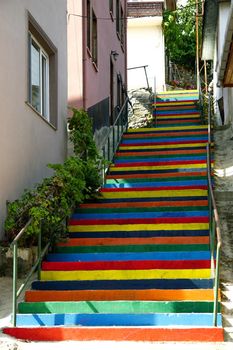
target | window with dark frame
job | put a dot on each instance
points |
(111, 6)
(94, 50)
(42, 73)
(120, 22)
(92, 34)
(118, 16)
(89, 24)
(122, 25)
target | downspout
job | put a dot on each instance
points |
(84, 53)
(126, 29)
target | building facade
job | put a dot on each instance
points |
(97, 77)
(33, 93)
(217, 47)
(146, 50)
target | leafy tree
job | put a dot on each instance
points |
(180, 35)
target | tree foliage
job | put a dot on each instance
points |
(180, 34)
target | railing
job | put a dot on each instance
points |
(215, 233)
(37, 265)
(113, 138)
(144, 67)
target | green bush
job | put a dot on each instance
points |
(52, 201)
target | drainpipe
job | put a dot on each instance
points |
(84, 53)
(126, 26)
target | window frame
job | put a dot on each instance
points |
(120, 23)
(43, 78)
(94, 39)
(92, 34)
(50, 112)
(111, 9)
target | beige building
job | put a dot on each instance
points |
(33, 93)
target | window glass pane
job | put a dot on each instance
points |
(35, 76)
(88, 24)
(44, 86)
(94, 39)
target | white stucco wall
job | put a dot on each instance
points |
(27, 142)
(146, 47)
(219, 59)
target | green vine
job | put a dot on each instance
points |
(54, 199)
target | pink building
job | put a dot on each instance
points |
(97, 59)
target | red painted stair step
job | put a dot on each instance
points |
(126, 265)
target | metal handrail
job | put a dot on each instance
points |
(144, 67)
(37, 265)
(115, 133)
(215, 232)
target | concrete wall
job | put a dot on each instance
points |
(27, 141)
(146, 47)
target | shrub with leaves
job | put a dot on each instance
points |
(54, 199)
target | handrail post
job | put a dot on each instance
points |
(15, 277)
(39, 251)
(216, 285)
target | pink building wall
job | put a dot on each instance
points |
(108, 41)
(89, 85)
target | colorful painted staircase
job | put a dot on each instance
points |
(136, 265)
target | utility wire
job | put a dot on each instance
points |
(121, 18)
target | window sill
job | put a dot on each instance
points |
(40, 115)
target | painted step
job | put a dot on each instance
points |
(186, 106)
(124, 284)
(116, 294)
(143, 215)
(188, 122)
(125, 274)
(167, 176)
(150, 193)
(161, 141)
(159, 161)
(125, 256)
(178, 113)
(155, 158)
(211, 334)
(138, 231)
(177, 184)
(126, 265)
(119, 307)
(157, 153)
(159, 169)
(131, 135)
(104, 209)
(133, 248)
(104, 320)
(158, 129)
(175, 146)
(134, 240)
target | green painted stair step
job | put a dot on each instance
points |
(143, 209)
(133, 248)
(116, 307)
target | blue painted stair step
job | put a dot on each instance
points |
(124, 284)
(203, 319)
(184, 255)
